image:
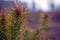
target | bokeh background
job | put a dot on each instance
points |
(29, 19)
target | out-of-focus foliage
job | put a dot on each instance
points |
(14, 29)
(12, 25)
